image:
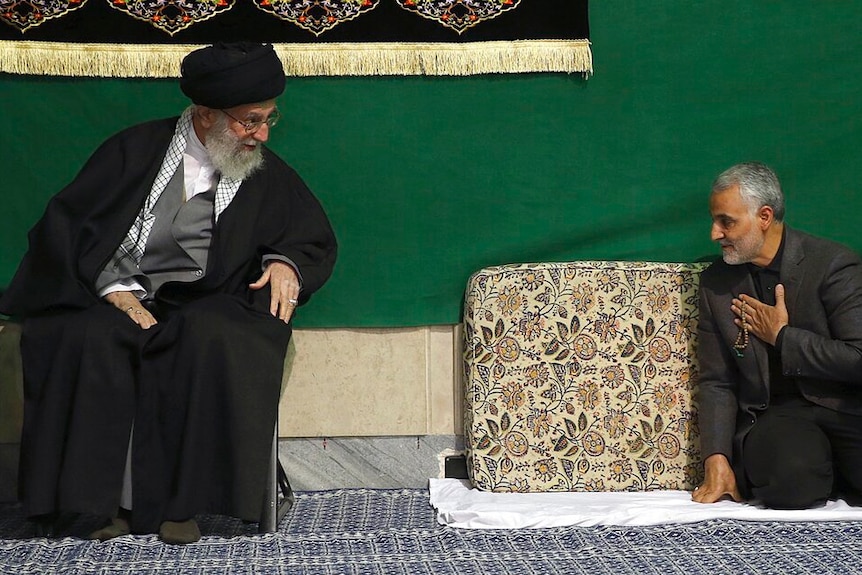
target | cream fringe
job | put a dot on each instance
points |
(360, 59)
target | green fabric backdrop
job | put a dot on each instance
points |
(429, 179)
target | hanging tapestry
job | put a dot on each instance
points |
(148, 38)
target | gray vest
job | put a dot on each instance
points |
(178, 245)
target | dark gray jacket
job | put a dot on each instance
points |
(821, 347)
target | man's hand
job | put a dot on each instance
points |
(284, 288)
(127, 303)
(763, 321)
(719, 482)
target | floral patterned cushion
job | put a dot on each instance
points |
(579, 376)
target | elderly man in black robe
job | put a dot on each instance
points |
(157, 296)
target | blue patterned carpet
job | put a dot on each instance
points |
(385, 532)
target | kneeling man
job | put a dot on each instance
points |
(780, 354)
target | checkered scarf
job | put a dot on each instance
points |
(136, 239)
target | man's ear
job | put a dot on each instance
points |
(206, 116)
(765, 217)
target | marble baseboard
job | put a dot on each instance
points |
(316, 464)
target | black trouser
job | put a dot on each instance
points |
(799, 455)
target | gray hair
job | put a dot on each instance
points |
(758, 186)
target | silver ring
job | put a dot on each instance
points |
(138, 311)
(130, 308)
(292, 301)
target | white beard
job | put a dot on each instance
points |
(227, 152)
(745, 249)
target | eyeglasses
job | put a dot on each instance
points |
(252, 126)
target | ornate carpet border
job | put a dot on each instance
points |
(331, 59)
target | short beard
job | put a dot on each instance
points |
(745, 250)
(228, 154)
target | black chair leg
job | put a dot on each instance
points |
(287, 499)
(278, 496)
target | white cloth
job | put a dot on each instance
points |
(458, 505)
(199, 174)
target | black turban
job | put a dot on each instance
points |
(225, 75)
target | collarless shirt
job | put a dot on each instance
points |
(199, 175)
(765, 279)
